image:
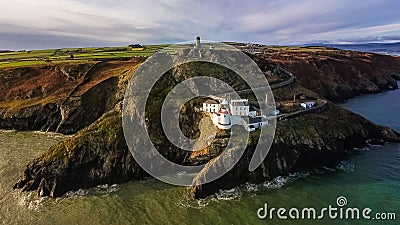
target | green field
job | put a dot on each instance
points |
(53, 56)
(49, 56)
(299, 49)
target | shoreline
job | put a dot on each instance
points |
(91, 149)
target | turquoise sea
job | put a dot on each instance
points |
(370, 179)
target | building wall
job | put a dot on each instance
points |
(210, 107)
(221, 122)
(237, 120)
(224, 119)
(215, 119)
(240, 110)
(253, 113)
(307, 105)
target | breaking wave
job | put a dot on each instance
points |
(346, 166)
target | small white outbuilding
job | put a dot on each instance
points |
(308, 105)
(210, 106)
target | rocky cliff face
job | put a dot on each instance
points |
(300, 143)
(63, 98)
(98, 153)
(31, 96)
(338, 75)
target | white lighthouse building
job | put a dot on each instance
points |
(222, 119)
(225, 114)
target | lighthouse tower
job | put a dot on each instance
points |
(224, 104)
(224, 118)
(198, 44)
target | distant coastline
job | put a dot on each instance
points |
(378, 48)
(88, 106)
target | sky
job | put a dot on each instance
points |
(41, 24)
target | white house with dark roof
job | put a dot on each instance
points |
(236, 112)
(240, 107)
(211, 106)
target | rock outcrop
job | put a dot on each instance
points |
(98, 153)
(300, 143)
(61, 98)
(336, 74)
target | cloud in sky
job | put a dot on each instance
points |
(27, 24)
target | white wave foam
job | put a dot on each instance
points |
(31, 201)
(329, 169)
(367, 148)
(280, 181)
(227, 195)
(36, 204)
(238, 192)
(106, 189)
(78, 193)
(251, 187)
(276, 183)
(188, 202)
(345, 166)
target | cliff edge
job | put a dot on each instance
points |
(98, 154)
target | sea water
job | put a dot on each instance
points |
(369, 179)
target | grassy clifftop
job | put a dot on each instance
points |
(98, 154)
(67, 55)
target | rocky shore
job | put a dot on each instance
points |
(301, 143)
(89, 103)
